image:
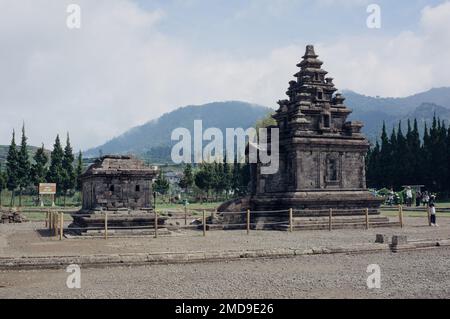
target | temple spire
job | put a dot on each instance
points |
(310, 53)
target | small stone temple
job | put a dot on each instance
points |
(322, 154)
(120, 186)
(117, 182)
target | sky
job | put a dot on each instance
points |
(134, 60)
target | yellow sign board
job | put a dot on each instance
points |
(47, 188)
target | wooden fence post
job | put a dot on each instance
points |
(429, 215)
(367, 218)
(156, 224)
(185, 215)
(291, 226)
(55, 223)
(400, 215)
(248, 221)
(204, 223)
(49, 220)
(46, 218)
(330, 220)
(106, 226)
(61, 226)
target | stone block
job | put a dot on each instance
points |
(382, 239)
(399, 240)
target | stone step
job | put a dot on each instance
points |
(325, 226)
(339, 220)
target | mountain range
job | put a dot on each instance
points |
(153, 138)
(372, 111)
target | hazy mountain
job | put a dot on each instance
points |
(374, 110)
(154, 137)
(152, 140)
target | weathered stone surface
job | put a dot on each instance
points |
(117, 182)
(122, 187)
(322, 155)
(382, 239)
(11, 217)
(399, 240)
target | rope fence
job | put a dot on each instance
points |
(104, 222)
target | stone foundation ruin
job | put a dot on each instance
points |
(120, 186)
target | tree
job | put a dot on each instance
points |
(2, 183)
(12, 168)
(267, 121)
(23, 166)
(403, 160)
(161, 184)
(187, 181)
(39, 167)
(79, 171)
(227, 176)
(56, 172)
(69, 178)
(204, 178)
(373, 168)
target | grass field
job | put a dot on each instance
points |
(35, 213)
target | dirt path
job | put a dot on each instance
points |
(418, 274)
(29, 240)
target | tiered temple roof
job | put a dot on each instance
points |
(313, 105)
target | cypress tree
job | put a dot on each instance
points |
(447, 183)
(411, 162)
(2, 183)
(187, 180)
(79, 171)
(401, 159)
(56, 172)
(12, 168)
(415, 151)
(24, 166)
(39, 167)
(69, 178)
(226, 176)
(373, 168)
(391, 176)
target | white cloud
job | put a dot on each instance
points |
(119, 71)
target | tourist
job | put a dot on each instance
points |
(418, 198)
(425, 198)
(432, 200)
(433, 215)
(409, 196)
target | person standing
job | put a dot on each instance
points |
(432, 200)
(425, 198)
(433, 215)
(409, 196)
(418, 198)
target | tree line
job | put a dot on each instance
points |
(212, 179)
(410, 159)
(22, 172)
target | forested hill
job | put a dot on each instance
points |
(155, 136)
(374, 110)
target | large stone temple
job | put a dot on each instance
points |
(322, 154)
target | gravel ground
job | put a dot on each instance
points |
(26, 240)
(416, 274)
